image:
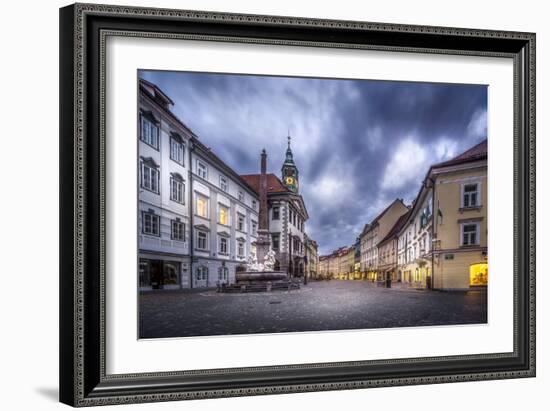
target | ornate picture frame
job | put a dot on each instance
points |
(84, 29)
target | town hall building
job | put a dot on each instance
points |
(287, 215)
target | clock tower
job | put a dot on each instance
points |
(290, 171)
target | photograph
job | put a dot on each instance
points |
(279, 204)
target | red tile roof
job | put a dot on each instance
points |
(477, 152)
(274, 185)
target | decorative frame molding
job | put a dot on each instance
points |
(83, 32)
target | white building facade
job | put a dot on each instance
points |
(224, 217)
(197, 218)
(163, 187)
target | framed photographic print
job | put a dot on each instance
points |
(261, 204)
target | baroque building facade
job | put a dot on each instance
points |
(197, 217)
(443, 245)
(287, 216)
(163, 208)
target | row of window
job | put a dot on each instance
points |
(202, 171)
(202, 210)
(469, 236)
(202, 274)
(150, 176)
(150, 225)
(203, 244)
(295, 220)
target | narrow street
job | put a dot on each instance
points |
(318, 306)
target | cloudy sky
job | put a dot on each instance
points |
(358, 144)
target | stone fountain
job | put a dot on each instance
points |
(260, 274)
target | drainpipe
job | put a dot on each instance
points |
(191, 237)
(433, 228)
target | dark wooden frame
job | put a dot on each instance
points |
(83, 29)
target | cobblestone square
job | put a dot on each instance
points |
(317, 306)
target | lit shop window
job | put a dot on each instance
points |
(479, 274)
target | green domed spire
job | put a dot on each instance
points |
(289, 157)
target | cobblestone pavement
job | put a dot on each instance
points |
(325, 305)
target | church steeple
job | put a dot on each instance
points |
(289, 170)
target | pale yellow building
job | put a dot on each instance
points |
(346, 256)
(460, 229)
(373, 233)
(323, 267)
(443, 243)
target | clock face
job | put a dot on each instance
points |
(289, 180)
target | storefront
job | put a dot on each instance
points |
(159, 272)
(479, 274)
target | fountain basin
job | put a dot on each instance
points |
(253, 276)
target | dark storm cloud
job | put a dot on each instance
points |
(358, 144)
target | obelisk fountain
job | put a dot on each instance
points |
(260, 266)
